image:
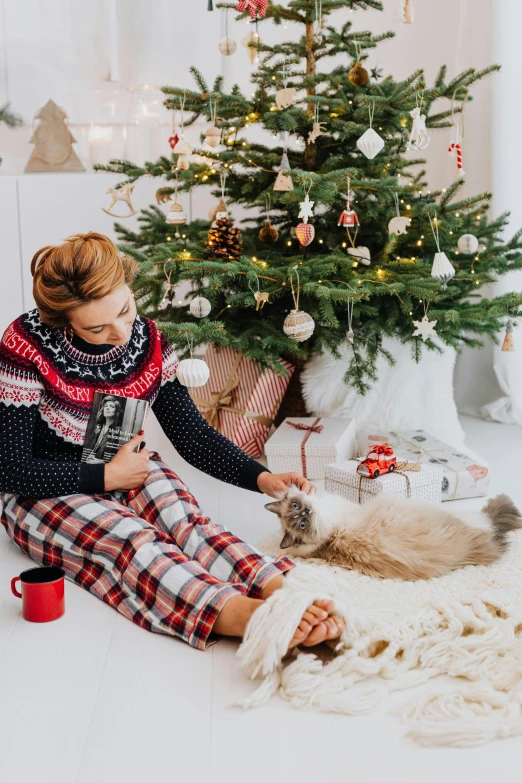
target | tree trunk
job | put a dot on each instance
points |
(293, 403)
(310, 153)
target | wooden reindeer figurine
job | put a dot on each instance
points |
(261, 298)
(123, 194)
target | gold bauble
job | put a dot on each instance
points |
(358, 75)
(268, 234)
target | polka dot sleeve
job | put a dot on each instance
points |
(199, 443)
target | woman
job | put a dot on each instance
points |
(109, 417)
(128, 531)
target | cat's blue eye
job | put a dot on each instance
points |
(295, 505)
(302, 524)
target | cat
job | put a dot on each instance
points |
(393, 538)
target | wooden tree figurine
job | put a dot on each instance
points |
(52, 139)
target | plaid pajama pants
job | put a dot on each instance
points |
(150, 553)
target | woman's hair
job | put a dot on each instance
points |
(118, 417)
(86, 267)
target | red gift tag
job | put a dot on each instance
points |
(173, 141)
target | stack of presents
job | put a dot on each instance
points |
(241, 400)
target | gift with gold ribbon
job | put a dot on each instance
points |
(241, 398)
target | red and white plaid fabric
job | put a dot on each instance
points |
(254, 7)
(150, 553)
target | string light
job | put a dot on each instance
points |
(289, 242)
(320, 241)
(169, 239)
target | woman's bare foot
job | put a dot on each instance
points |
(321, 629)
(315, 625)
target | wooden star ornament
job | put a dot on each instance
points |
(425, 328)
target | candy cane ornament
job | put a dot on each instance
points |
(456, 147)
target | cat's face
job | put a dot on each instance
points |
(298, 518)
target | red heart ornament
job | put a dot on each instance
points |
(305, 233)
(173, 140)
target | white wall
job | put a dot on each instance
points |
(62, 49)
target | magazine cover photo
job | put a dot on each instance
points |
(114, 420)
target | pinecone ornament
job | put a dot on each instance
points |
(224, 240)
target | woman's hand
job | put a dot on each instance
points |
(127, 470)
(272, 483)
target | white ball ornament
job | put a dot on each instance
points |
(227, 46)
(193, 372)
(200, 307)
(468, 243)
(298, 325)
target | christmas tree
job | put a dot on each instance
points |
(370, 276)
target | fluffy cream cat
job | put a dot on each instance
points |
(393, 538)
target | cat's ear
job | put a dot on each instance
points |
(274, 507)
(287, 540)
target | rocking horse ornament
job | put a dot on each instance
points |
(122, 194)
(419, 138)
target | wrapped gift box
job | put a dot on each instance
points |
(241, 398)
(307, 445)
(462, 476)
(424, 484)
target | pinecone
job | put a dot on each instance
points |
(224, 240)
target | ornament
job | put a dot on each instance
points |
(53, 142)
(284, 181)
(358, 75)
(224, 240)
(349, 333)
(268, 234)
(200, 307)
(370, 143)
(122, 194)
(508, 346)
(220, 212)
(442, 267)
(348, 217)
(425, 328)
(254, 7)
(252, 38)
(298, 325)
(163, 195)
(261, 298)
(227, 46)
(193, 372)
(406, 11)
(183, 163)
(361, 254)
(419, 138)
(183, 147)
(306, 207)
(212, 136)
(173, 140)
(176, 216)
(468, 244)
(305, 233)
(455, 147)
(398, 225)
(376, 73)
(285, 97)
(317, 130)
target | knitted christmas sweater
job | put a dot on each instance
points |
(46, 389)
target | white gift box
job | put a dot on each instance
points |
(424, 484)
(309, 446)
(462, 476)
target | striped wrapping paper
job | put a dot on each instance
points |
(241, 398)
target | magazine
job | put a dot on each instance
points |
(114, 420)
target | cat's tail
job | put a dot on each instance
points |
(504, 516)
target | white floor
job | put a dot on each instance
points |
(94, 698)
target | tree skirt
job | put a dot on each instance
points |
(398, 635)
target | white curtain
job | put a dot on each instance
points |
(507, 183)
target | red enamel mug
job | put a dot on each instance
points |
(42, 593)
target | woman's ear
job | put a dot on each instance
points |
(274, 507)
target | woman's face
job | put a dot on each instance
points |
(106, 321)
(109, 408)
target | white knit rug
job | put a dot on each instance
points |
(467, 625)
